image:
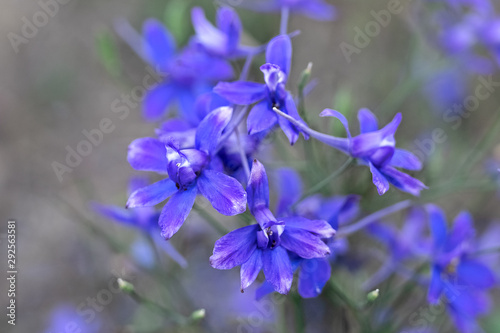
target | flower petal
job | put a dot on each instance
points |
(463, 231)
(211, 127)
(225, 193)
(339, 116)
(289, 189)
(436, 286)
(403, 181)
(313, 276)
(114, 213)
(235, 248)
(278, 269)
(367, 121)
(261, 118)
(475, 274)
(229, 23)
(159, 44)
(157, 100)
(153, 194)
(406, 160)
(320, 228)
(208, 35)
(437, 220)
(304, 243)
(318, 10)
(279, 52)
(367, 143)
(250, 269)
(242, 93)
(148, 154)
(175, 212)
(379, 180)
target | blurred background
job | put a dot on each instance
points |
(65, 78)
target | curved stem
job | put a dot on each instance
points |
(285, 14)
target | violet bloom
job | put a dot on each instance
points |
(375, 148)
(189, 173)
(265, 245)
(144, 219)
(66, 318)
(188, 73)
(456, 270)
(316, 9)
(223, 40)
(269, 95)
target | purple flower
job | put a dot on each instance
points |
(375, 148)
(189, 73)
(189, 173)
(65, 318)
(315, 9)
(268, 95)
(456, 271)
(223, 40)
(265, 245)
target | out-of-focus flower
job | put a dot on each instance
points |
(189, 173)
(315, 9)
(265, 245)
(188, 73)
(65, 318)
(457, 271)
(223, 40)
(268, 95)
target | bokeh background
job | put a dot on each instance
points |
(66, 78)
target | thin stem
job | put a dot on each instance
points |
(211, 220)
(366, 221)
(231, 128)
(246, 67)
(285, 14)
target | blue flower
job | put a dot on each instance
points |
(315, 9)
(223, 40)
(265, 245)
(189, 174)
(375, 148)
(268, 95)
(456, 270)
(65, 318)
(188, 73)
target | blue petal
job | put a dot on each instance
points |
(406, 160)
(367, 121)
(261, 118)
(304, 243)
(148, 154)
(475, 274)
(462, 231)
(291, 109)
(212, 38)
(313, 276)
(279, 52)
(225, 193)
(152, 194)
(242, 93)
(265, 289)
(229, 23)
(436, 286)
(115, 213)
(136, 183)
(339, 116)
(318, 227)
(318, 10)
(278, 269)
(367, 143)
(175, 212)
(379, 180)
(157, 100)
(250, 269)
(235, 248)
(403, 181)
(159, 44)
(211, 127)
(437, 220)
(257, 188)
(289, 189)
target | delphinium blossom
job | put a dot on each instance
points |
(375, 148)
(144, 219)
(271, 94)
(266, 245)
(67, 318)
(457, 271)
(316, 9)
(189, 172)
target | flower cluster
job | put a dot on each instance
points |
(207, 149)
